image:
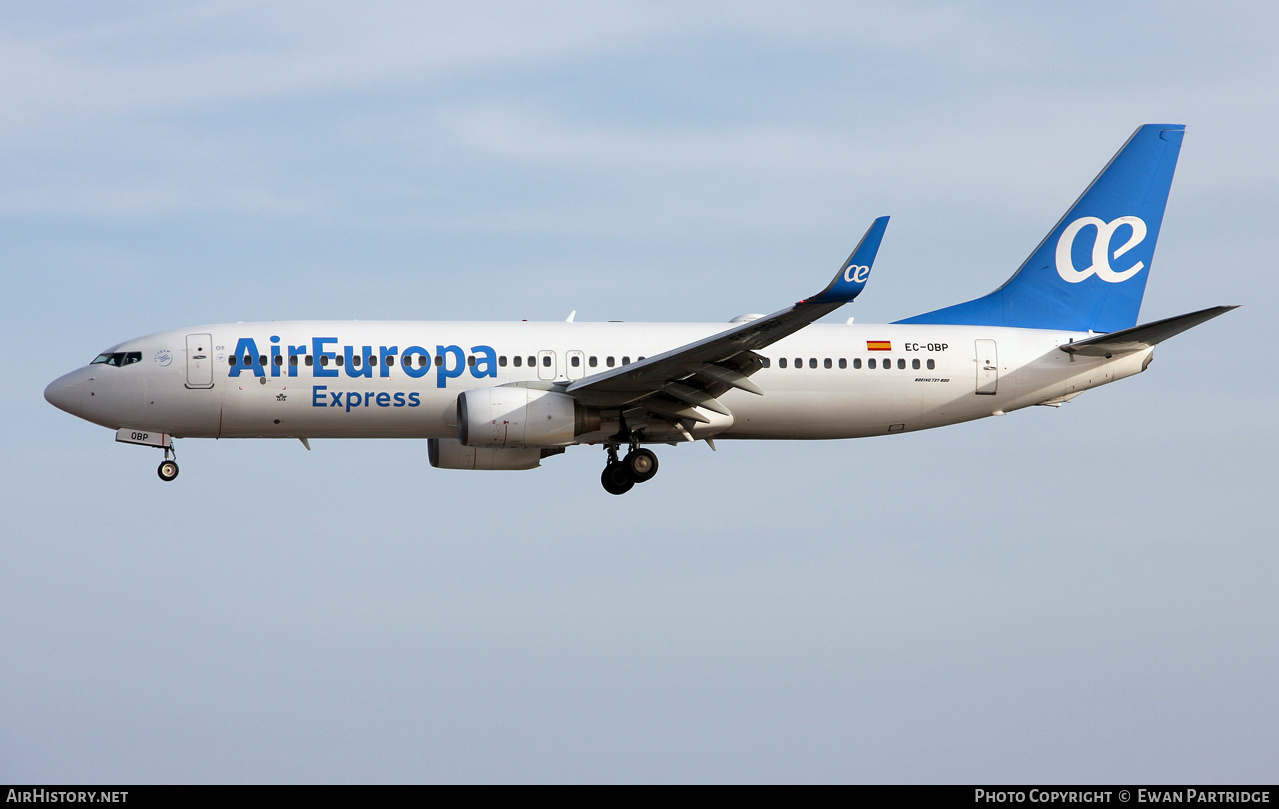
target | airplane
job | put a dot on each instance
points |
(506, 396)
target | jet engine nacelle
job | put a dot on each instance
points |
(519, 418)
(447, 453)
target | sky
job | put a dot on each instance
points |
(1073, 595)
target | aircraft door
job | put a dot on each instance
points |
(199, 360)
(987, 367)
(576, 364)
(546, 365)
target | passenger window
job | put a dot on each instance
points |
(518, 361)
(372, 360)
(501, 361)
(931, 365)
(826, 362)
(575, 361)
(781, 362)
(279, 360)
(439, 360)
(870, 363)
(532, 362)
(471, 361)
(799, 362)
(262, 360)
(546, 361)
(857, 362)
(609, 361)
(593, 361)
(309, 360)
(901, 364)
(390, 362)
(324, 360)
(230, 359)
(293, 360)
(355, 361)
(340, 360)
(626, 360)
(812, 362)
(914, 364)
(766, 361)
(843, 363)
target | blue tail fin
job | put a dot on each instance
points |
(1089, 272)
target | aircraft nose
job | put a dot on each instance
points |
(64, 393)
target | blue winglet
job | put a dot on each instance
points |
(851, 278)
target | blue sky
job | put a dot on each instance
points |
(1074, 595)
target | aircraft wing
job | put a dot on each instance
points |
(672, 384)
(1143, 336)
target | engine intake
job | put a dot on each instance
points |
(519, 418)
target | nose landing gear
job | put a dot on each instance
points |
(146, 438)
(168, 467)
(621, 475)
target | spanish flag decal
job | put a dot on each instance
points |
(879, 345)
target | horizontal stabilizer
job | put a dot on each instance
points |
(1144, 336)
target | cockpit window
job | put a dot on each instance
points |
(118, 358)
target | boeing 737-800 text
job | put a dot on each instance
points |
(507, 395)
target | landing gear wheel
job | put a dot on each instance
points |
(642, 464)
(168, 470)
(616, 479)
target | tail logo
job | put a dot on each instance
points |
(1101, 255)
(856, 273)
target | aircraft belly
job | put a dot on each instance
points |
(873, 407)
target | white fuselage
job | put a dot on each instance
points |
(185, 384)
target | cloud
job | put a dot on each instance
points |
(220, 53)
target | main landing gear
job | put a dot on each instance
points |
(168, 467)
(620, 476)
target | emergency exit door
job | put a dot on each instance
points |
(546, 365)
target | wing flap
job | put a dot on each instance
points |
(729, 377)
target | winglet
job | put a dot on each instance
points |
(851, 278)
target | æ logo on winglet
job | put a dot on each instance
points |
(1100, 249)
(856, 273)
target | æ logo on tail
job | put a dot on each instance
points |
(1100, 249)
